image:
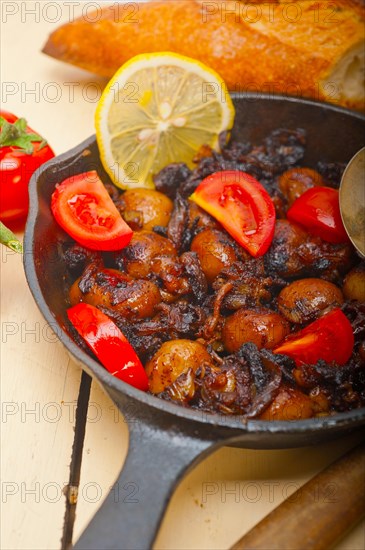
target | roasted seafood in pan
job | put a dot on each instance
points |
(210, 322)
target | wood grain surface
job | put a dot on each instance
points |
(227, 493)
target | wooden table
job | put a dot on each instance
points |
(227, 493)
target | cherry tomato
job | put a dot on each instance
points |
(318, 211)
(109, 344)
(329, 338)
(83, 208)
(241, 204)
(21, 152)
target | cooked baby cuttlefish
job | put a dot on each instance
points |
(304, 300)
(173, 359)
(145, 208)
(278, 336)
(263, 327)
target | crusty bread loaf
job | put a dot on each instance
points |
(304, 48)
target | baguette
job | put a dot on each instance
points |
(304, 48)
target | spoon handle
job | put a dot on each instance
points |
(319, 513)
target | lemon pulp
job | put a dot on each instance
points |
(156, 110)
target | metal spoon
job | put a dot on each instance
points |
(352, 201)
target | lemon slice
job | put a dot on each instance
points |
(157, 109)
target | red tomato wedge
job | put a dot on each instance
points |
(242, 205)
(329, 338)
(318, 211)
(109, 344)
(83, 208)
(22, 151)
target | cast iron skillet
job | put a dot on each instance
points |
(165, 440)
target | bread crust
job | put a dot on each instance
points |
(278, 47)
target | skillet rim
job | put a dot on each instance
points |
(350, 419)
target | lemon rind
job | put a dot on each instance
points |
(126, 71)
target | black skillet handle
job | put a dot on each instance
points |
(161, 450)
